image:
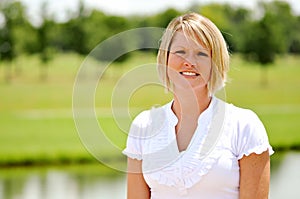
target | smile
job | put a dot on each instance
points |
(189, 73)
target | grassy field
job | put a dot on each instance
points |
(36, 121)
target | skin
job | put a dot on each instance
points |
(255, 176)
(190, 100)
(137, 188)
(190, 91)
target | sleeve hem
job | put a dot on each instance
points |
(258, 150)
(132, 156)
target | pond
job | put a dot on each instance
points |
(88, 182)
(285, 177)
(69, 182)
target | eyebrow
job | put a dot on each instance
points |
(178, 46)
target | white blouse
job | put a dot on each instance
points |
(208, 168)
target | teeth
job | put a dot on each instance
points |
(189, 73)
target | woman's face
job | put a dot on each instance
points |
(189, 63)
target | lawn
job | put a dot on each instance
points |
(277, 103)
(36, 120)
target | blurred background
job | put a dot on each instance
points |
(44, 43)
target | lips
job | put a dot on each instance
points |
(189, 73)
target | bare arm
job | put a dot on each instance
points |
(255, 176)
(137, 188)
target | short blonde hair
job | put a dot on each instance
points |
(201, 30)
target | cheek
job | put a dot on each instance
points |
(205, 69)
(174, 62)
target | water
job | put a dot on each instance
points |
(83, 182)
(88, 182)
(285, 180)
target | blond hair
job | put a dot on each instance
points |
(201, 30)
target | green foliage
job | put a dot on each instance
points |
(283, 22)
(26, 44)
(112, 50)
(259, 44)
(260, 39)
(164, 18)
(10, 13)
(239, 18)
(268, 36)
(217, 13)
(18, 36)
(74, 35)
(295, 39)
(95, 29)
(230, 20)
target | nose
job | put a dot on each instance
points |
(188, 64)
(189, 61)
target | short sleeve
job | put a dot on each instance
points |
(251, 135)
(136, 136)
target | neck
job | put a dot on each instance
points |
(189, 103)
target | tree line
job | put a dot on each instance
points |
(259, 35)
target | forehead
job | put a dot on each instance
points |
(185, 40)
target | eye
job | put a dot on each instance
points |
(202, 54)
(180, 52)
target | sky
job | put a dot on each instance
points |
(60, 8)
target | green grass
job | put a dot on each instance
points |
(277, 103)
(36, 122)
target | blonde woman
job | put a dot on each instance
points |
(196, 146)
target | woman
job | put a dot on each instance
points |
(196, 146)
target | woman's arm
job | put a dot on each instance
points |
(137, 188)
(255, 176)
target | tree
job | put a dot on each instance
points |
(164, 18)
(102, 27)
(259, 46)
(44, 50)
(263, 39)
(74, 31)
(226, 18)
(7, 42)
(239, 18)
(295, 40)
(283, 22)
(95, 29)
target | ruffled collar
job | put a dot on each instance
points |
(197, 160)
(205, 115)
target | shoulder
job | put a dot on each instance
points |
(148, 120)
(147, 117)
(142, 119)
(247, 126)
(249, 134)
(243, 117)
(237, 116)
